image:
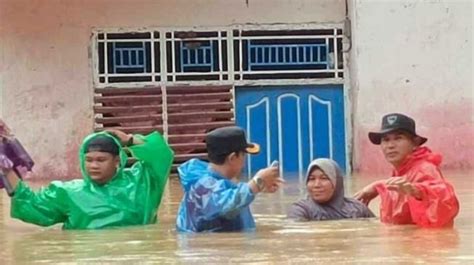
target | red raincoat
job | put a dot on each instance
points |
(438, 204)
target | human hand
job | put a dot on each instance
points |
(367, 194)
(402, 185)
(4, 130)
(274, 187)
(5, 164)
(123, 137)
(271, 179)
(5, 167)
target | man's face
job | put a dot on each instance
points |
(319, 186)
(396, 146)
(236, 163)
(101, 166)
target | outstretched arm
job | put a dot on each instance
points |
(45, 207)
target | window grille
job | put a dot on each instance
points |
(288, 54)
(196, 56)
(222, 56)
(128, 57)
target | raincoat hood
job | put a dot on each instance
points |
(437, 204)
(211, 202)
(82, 157)
(419, 154)
(191, 171)
(131, 197)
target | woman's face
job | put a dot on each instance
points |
(319, 186)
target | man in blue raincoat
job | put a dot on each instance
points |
(214, 200)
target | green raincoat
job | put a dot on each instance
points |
(131, 197)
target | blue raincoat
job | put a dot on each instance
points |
(211, 202)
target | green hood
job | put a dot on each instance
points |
(131, 197)
(82, 156)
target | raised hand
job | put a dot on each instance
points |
(367, 194)
(123, 137)
(271, 178)
(402, 185)
(4, 130)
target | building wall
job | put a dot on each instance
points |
(406, 56)
(45, 72)
(413, 57)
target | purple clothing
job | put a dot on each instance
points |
(339, 207)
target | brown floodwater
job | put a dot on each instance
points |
(276, 240)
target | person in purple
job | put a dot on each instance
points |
(326, 201)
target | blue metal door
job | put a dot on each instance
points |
(292, 124)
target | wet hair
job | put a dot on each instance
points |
(102, 143)
(220, 159)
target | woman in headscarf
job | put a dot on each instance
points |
(326, 201)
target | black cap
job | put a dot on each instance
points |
(102, 143)
(392, 122)
(230, 139)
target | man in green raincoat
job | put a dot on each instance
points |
(109, 194)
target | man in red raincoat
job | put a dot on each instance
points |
(417, 192)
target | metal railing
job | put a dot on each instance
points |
(222, 56)
(126, 58)
(289, 54)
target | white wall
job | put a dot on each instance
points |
(45, 58)
(408, 56)
(413, 57)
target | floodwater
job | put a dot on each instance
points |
(276, 240)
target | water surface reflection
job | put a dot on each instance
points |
(276, 240)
